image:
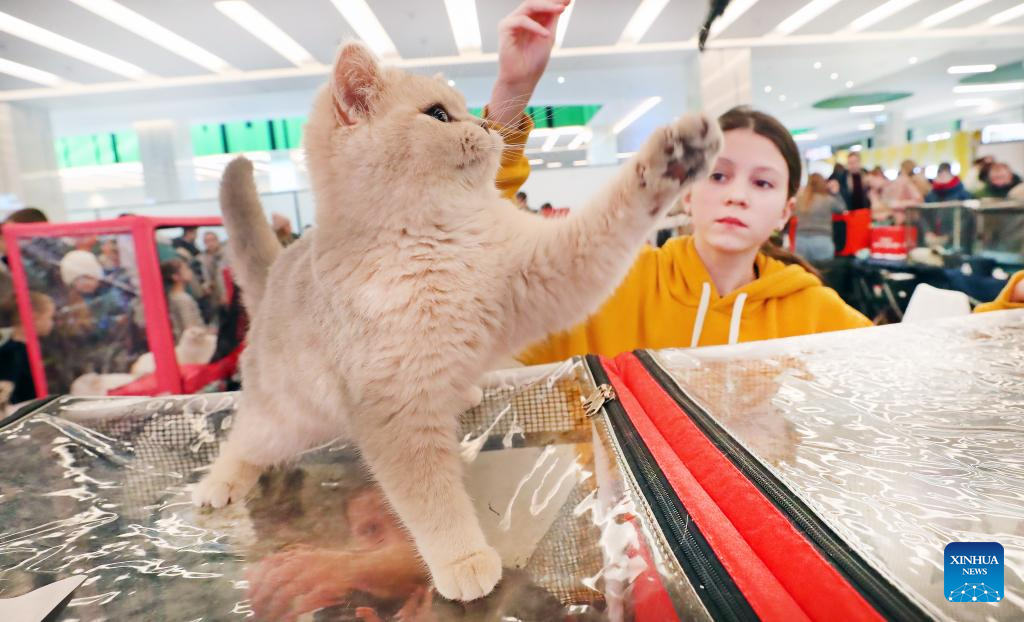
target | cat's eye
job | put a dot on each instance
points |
(438, 112)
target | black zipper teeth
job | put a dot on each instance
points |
(883, 595)
(712, 583)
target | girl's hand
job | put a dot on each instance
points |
(525, 38)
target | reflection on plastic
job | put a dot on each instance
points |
(902, 438)
(100, 488)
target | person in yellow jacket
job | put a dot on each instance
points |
(725, 283)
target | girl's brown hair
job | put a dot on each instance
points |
(762, 124)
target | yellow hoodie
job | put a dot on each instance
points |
(669, 301)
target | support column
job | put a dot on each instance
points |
(28, 161)
(165, 149)
(893, 131)
(725, 79)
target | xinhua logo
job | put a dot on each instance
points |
(973, 572)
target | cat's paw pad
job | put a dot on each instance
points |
(684, 150)
(470, 577)
(217, 490)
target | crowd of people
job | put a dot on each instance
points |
(850, 188)
(87, 306)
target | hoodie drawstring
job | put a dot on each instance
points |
(734, 323)
(702, 310)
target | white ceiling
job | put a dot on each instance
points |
(597, 71)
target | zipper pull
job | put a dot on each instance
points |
(596, 400)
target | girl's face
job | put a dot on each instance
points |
(738, 206)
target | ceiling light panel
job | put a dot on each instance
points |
(465, 25)
(641, 21)
(58, 43)
(31, 74)
(958, 69)
(960, 8)
(563, 24)
(878, 14)
(640, 110)
(154, 33)
(1010, 14)
(257, 24)
(363, 21)
(802, 16)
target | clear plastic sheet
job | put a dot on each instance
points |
(100, 487)
(902, 438)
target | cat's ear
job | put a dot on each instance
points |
(356, 82)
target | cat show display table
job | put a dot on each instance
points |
(818, 477)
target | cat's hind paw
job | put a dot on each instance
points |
(470, 577)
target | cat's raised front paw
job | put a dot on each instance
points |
(678, 154)
(470, 577)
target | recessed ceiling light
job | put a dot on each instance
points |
(849, 84)
(360, 17)
(465, 26)
(867, 108)
(782, 98)
(857, 147)
(805, 137)
(634, 114)
(767, 89)
(955, 69)
(257, 24)
(948, 13)
(155, 33)
(641, 21)
(806, 13)
(995, 87)
(554, 165)
(536, 161)
(912, 60)
(31, 74)
(563, 24)
(451, 83)
(1004, 16)
(561, 79)
(866, 126)
(937, 137)
(879, 13)
(580, 162)
(833, 76)
(817, 64)
(550, 143)
(51, 40)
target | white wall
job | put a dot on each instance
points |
(566, 187)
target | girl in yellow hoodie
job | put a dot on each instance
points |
(722, 285)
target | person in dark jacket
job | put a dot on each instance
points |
(999, 182)
(853, 183)
(938, 223)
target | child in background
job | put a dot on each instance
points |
(181, 306)
(14, 364)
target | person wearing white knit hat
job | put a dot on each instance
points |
(82, 271)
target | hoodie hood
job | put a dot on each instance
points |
(693, 286)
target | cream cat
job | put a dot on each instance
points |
(377, 324)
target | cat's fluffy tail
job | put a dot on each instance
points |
(252, 243)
